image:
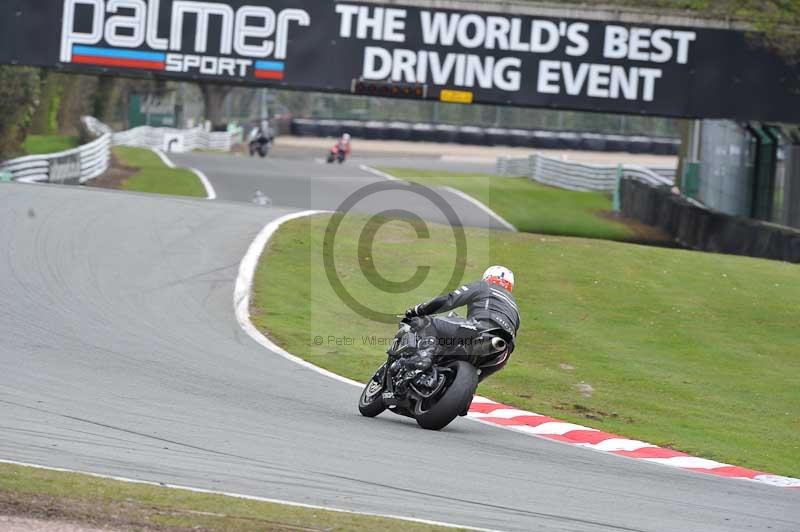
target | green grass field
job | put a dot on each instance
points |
(43, 144)
(155, 177)
(530, 207)
(693, 351)
(97, 502)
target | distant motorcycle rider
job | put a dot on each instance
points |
(344, 144)
(261, 131)
(491, 307)
(260, 139)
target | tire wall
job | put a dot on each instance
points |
(702, 229)
(473, 135)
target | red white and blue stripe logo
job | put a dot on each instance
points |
(155, 61)
(269, 70)
(116, 57)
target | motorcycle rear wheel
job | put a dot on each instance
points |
(455, 400)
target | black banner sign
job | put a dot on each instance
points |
(411, 52)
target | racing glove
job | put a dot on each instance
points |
(413, 312)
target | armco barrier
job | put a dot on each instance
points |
(580, 177)
(177, 140)
(164, 138)
(91, 160)
(495, 136)
(702, 229)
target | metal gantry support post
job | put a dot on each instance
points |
(791, 198)
(689, 178)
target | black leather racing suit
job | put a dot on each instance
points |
(489, 308)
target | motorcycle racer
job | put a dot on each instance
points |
(491, 307)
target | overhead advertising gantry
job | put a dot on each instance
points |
(411, 52)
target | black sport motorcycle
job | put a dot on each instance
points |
(436, 391)
(260, 146)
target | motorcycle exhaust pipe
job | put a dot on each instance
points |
(499, 344)
(485, 347)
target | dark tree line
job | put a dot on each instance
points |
(41, 102)
(19, 98)
(37, 101)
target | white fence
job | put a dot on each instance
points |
(95, 156)
(167, 139)
(93, 161)
(175, 140)
(578, 176)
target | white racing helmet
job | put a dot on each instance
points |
(501, 276)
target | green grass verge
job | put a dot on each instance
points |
(693, 351)
(101, 502)
(530, 207)
(155, 177)
(43, 144)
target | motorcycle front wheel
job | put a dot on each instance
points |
(456, 399)
(370, 404)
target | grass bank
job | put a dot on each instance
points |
(152, 175)
(693, 351)
(530, 207)
(43, 144)
(82, 499)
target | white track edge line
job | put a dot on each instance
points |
(245, 497)
(163, 156)
(482, 206)
(244, 284)
(211, 194)
(378, 173)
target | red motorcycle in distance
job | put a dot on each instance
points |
(340, 151)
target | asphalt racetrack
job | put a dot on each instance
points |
(292, 178)
(121, 355)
